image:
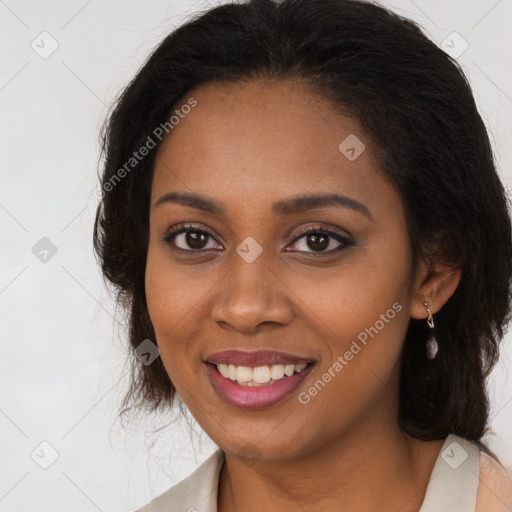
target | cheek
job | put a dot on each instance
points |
(170, 299)
(171, 293)
(351, 298)
(361, 316)
(364, 329)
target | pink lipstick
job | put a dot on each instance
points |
(253, 380)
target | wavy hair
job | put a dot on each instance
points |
(414, 102)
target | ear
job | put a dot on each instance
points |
(435, 286)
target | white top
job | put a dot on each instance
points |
(464, 479)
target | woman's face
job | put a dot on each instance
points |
(244, 277)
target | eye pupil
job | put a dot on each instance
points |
(315, 242)
(196, 239)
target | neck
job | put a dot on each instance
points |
(371, 469)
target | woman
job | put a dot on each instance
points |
(301, 210)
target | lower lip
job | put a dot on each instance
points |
(255, 397)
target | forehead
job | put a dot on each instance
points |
(261, 140)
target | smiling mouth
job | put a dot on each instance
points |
(259, 375)
(256, 379)
(257, 387)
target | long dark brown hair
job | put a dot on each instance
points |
(415, 103)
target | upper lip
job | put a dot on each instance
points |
(257, 358)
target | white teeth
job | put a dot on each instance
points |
(244, 374)
(289, 369)
(259, 375)
(223, 370)
(277, 371)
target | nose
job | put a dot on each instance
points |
(251, 295)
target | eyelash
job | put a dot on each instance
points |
(345, 242)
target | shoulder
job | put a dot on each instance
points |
(495, 486)
(196, 492)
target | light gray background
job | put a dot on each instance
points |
(62, 354)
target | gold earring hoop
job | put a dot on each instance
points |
(432, 345)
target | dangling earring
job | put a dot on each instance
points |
(432, 346)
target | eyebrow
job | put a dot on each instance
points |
(289, 206)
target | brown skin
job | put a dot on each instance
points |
(247, 146)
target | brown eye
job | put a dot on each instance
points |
(195, 239)
(189, 238)
(318, 240)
